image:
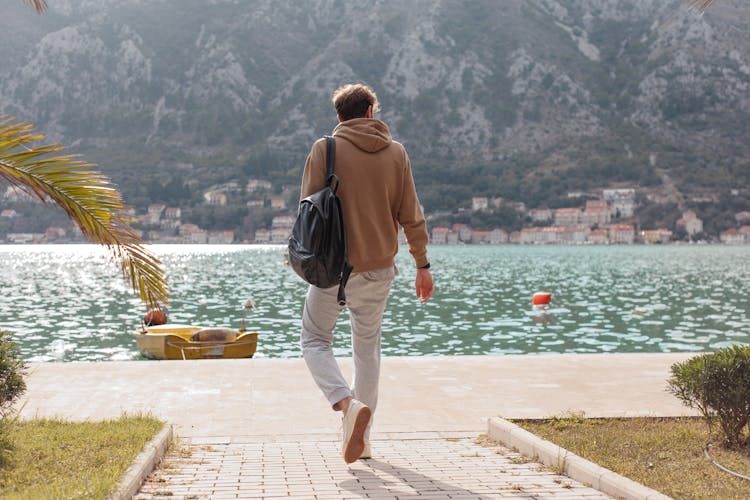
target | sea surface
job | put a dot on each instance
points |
(70, 302)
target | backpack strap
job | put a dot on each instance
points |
(330, 162)
(346, 270)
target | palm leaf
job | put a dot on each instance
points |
(87, 196)
(700, 5)
(39, 5)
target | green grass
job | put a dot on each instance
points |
(662, 453)
(59, 459)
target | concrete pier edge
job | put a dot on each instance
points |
(572, 465)
(143, 465)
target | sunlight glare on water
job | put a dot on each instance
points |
(69, 302)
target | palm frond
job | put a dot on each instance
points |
(87, 196)
(39, 5)
(700, 5)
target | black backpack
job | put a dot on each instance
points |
(317, 247)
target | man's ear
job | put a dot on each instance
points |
(368, 113)
(339, 118)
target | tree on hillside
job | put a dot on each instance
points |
(86, 195)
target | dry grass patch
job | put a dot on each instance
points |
(662, 453)
(58, 459)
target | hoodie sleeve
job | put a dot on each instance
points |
(314, 175)
(411, 218)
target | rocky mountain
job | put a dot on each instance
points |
(520, 98)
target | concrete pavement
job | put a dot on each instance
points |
(259, 428)
(266, 397)
(414, 467)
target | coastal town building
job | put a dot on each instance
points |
(280, 235)
(573, 234)
(439, 235)
(742, 217)
(54, 233)
(283, 222)
(479, 203)
(152, 215)
(255, 203)
(598, 237)
(197, 237)
(554, 235)
(567, 216)
(215, 198)
(24, 238)
(8, 213)
(480, 237)
(220, 237)
(621, 202)
(257, 185)
(187, 229)
(745, 230)
(169, 224)
(518, 206)
(732, 236)
(621, 234)
(540, 214)
(262, 235)
(156, 209)
(596, 213)
(690, 223)
(172, 213)
(278, 203)
(498, 237)
(171, 218)
(533, 235)
(652, 236)
(153, 235)
(464, 232)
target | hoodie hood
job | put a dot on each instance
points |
(368, 134)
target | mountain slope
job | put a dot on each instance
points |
(539, 95)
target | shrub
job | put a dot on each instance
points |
(12, 371)
(718, 385)
(12, 385)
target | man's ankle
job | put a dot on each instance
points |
(343, 405)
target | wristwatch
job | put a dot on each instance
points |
(426, 266)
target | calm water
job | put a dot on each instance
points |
(66, 303)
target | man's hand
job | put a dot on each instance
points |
(424, 285)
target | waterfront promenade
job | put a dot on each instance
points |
(259, 428)
(417, 394)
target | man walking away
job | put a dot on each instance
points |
(377, 194)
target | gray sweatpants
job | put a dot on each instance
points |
(366, 296)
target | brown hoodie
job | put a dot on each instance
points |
(377, 193)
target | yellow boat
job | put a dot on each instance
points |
(194, 342)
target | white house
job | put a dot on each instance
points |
(621, 201)
(479, 203)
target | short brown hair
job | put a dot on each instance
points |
(353, 99)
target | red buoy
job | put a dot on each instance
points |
(541, 298)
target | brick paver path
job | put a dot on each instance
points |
(306, 467)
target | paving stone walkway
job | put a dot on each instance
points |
(404, 466)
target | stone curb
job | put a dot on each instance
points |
(569, 463)
(143, 465)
